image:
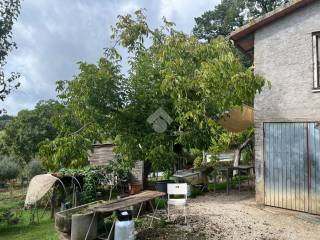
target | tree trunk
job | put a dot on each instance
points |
(237, 154)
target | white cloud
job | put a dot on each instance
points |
(52, 36)
(183, 12)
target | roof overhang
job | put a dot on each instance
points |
(243, 37)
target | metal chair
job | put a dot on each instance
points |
(177, 189)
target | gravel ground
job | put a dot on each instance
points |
(234, 216)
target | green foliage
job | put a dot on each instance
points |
(9, 11)
(4, 120)
(23, 230)
(161, 203)
(90, 177)
(226, 141)
(9, 169)
(69, 151)
(93, 174)
(8, 217)
(119, 167)
(198, 161)
(90, 187)
(34, 168)
(230, 14)
(97, 87)
(26, 131)
(261, 7)
(195, 192)
(194, 82)
(248, 152)
(225, 17)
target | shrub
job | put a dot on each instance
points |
(9, 169)
(35, 168)
(9, 217)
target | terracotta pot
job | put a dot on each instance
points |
(135, 188)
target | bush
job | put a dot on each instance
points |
(9, 217)
(35, 168)
(9, 169)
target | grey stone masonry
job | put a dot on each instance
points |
(283, 54)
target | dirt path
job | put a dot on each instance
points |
(219, 216)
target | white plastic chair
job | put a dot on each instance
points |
(178, 189)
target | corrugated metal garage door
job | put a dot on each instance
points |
(292, 166)
(314, 171)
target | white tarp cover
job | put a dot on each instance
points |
(38, 187)
(238, 119)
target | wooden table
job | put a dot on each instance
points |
(240, 169)
(140, 198)
(132, 200)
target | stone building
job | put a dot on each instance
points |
(285, 47)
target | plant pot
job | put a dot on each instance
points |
(135, 188)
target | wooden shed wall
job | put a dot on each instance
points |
(101, 155)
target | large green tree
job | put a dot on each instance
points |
(28, 129)
(192, 82)
(91, 101)
(9, 11)
(230, 14)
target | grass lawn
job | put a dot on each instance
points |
(24, 230)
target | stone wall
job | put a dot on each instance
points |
(283, 55)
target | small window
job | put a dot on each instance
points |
(316, 60)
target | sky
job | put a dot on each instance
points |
(53, 36)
